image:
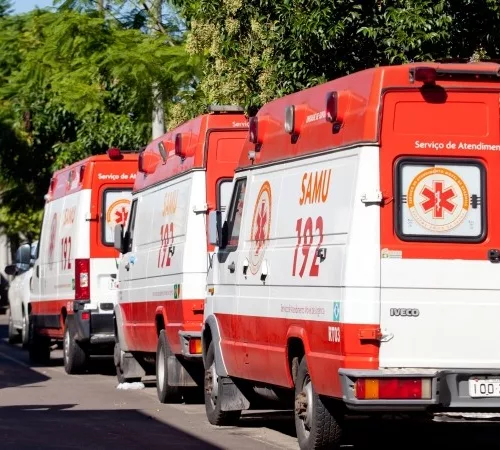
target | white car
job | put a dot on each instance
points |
(19, 292)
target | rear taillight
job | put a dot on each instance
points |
(393, 388)
(82, 279)
(195, 346)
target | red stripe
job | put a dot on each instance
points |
(256, 348)
(139, 322)
(52, 306)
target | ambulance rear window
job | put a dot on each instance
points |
(115, 209)
(440, 200)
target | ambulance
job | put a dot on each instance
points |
(358, 266)
(73, 287)
(182, 176)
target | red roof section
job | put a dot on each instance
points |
(194, 135)
(83, 174)
(360, 98)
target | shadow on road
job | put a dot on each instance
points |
(59, 426)
(392, 434)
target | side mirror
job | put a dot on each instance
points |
(215, 228)
(11, 270)
(119, 238)
(23, 258)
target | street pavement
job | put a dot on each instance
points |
(44, 408)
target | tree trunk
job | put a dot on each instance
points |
(158, 117)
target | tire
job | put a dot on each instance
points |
(75, 357)
(13, 334)
(315, 424)
(166, 393)
(25, 331)
(213, 391)
(120, 375)
(38, 346)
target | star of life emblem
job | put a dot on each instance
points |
(438, 199)
(261, 227)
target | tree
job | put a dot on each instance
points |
(262, 49)
(73, 84)
(5, 8)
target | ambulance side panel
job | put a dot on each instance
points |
(72, 242)
(304, 228)
(167, 266)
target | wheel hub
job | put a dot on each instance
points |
(304, 405)
(211, 384)
(66, 344)
(160, 370)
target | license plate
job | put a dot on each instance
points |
(484, 387)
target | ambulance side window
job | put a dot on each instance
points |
(115, 211)
(131, 226)
(235, 214)
(224, 190)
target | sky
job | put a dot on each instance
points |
(21, 6)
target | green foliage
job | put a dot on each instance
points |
(73, 84)
(258, 50)
(5, 7)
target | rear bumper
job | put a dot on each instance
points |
(97, 329)
(449, 390)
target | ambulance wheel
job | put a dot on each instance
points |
(38, 346)
(316, 423)
(166, 393)
(75, 357)
(120, 374)
(213, 391)
(25, 331)
(13, 335)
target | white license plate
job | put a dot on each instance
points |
(481, 387)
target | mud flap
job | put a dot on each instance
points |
(131, 367)
(183, 372)
(232, 397)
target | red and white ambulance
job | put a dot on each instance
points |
(182, 176)
(73, 288)
(358, 266)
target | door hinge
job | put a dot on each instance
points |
(198, 209)
(372, 197)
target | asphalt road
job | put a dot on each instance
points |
(43, 408)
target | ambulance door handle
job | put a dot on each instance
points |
(127, 266)
(231, 267)
(38, 271)
(245, 266)
(494, 255)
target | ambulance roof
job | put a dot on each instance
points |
(81, 174)
(356, 102)
(184, 147)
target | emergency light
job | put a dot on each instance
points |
(82, 173)
(332, 99)
(426, 75)
(148, 161)
(257, 128)
(114, 154)
(178, 145)
(295, 118)
(253, 129)
(163, 152)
